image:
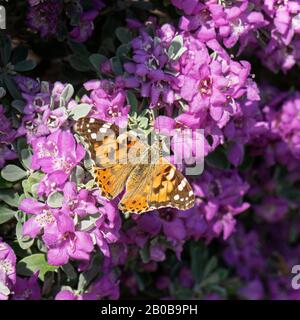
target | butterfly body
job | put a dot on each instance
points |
(122, 161)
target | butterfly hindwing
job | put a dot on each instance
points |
(135, 199)
(111, 181)
(156, 186)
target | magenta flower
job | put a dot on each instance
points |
(43, 17)
(67, 295)
(253, 290)
(151, 67)
(57, 155)
(243, 252)
(109, 101)
(27, 85)
(105, 287)
(27, 288)
(7, 268)
(107, 227)
(222, 199)
(43, 217)
(78, 203)
(64, 242)
(85, 29)
(273, 209)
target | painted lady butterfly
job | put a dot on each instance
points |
(119, 162)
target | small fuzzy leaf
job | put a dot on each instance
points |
(4, 290)
(79, 63)
(18, 105)
(123, 34)
(5, 48)
(116, 66)
(80, 111)
(70, 271)
(36, 262)
(4, 184)
(13, 173)
(55, 200)
(20, 53)
(67, 93)
(25, 65)
(11, 87)
(176, 48)
(6, 214)
(77, 175)
(78, 48)
(26, 157)
(10, 197)
(89, 275)
(88, 223)
(132, 100)
(123, 51)
(96, 60)
(24, 242)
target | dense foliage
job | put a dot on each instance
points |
(230, 68)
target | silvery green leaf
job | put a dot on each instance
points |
(26, 157)
(21, 144)
(96, 60)
(70, 271)
(24, 242)
(33, 179)
(132, 100)
(10, 197)
(6, 214)
(88, 163)
(45, 87)
(123, 34)
(11, 87)
(20, 53)
(123, 51)
(41, 246)
(90, 185)
(79, 63)
(157, 41)
(13, 173)
(2, 92)
(18, 105)
(117, 66)
(67, 93)
(25, 65)
(5, 49)
(210, 267)
(34, 190)
(77, 175)
(55, 200)
(80, 111)
(4, 289)
(183, 105)
(88, 223)
(88, 276)
(176, 48)
(144, 122)
(78, 48)
(145, 254)
(33, 263)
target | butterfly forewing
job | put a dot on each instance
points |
(169, 188)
